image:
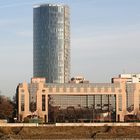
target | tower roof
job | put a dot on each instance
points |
(48, 4)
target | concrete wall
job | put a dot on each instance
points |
(97, 124)
(66, 124)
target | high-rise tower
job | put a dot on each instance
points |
(51, 42)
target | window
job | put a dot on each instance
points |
(71, 89)
(112, 89)
(50, 89)
(130, 97)
(22, 102)
(74, 108)
(57, 89)
(43, 102)
(43, 90)
(99, 89)
(120, 102)
(85, 89)
(65, 89)
(106, 89)
(139, 101)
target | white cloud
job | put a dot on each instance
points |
(103, 56)
(25, 33)
(7, 22)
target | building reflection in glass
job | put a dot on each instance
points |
(82, 108)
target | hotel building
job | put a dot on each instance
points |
(118, 101)
(51, 42)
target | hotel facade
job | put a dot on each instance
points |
(51, 42)
(117, 101)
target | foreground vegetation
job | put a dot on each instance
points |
(53, 132)
(7, 108)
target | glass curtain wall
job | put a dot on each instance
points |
(82, 108)
(51, 42)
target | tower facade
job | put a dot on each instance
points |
(51, 42)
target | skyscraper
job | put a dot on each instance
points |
(51, 42)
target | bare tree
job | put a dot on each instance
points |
(6, 107)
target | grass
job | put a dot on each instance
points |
(69, 132)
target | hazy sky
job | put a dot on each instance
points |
(105, 39)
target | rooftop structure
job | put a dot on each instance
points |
(78, 79)
(129, 78)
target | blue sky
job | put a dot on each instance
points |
(105, 39)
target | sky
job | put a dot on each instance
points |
(105, 40)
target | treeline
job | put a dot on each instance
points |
(7, 108)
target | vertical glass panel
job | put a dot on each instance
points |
(82, 108)
(43, 102)
(22, 102)
(32, 88)
(130, 97)
(120, 102)
(139, 101)
(51, 43)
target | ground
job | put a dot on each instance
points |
(69, 132)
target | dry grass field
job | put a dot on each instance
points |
(70, 132)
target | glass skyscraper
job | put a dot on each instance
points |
(51, 42)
